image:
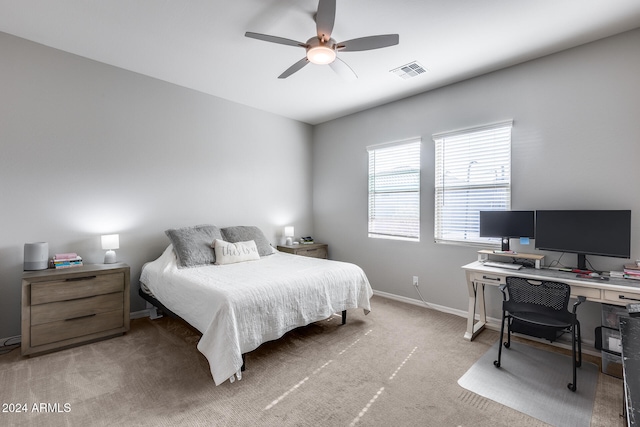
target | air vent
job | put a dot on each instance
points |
(409, 70)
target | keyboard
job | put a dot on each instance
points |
(507, 265)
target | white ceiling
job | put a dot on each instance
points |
(200, 44)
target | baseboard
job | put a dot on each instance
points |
(420, 303)
(139, 314)
(588, 347)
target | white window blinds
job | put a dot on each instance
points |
(473, 173)
(394, 190)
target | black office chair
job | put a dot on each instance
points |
(540, 309)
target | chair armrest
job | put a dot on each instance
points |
(502, 289)
(581, 299)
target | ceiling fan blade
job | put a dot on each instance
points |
(274, 39)
(343, 70)
(325, 18)
(368, 43)
(295, 67)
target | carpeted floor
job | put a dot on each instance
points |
(397, 366)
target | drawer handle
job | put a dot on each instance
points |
(630, 299)
(312, 250)
(495, 279)
(80, 317)
(75, 279)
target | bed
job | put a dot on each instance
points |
(239, 305)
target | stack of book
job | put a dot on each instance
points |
(66, 260)
(632, 271)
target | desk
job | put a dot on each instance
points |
(630, 333)
(613, 291)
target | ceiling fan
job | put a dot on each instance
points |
(322, 49)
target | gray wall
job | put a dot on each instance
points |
(88, 149)
(575, 144)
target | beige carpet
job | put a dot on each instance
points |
(398, 366)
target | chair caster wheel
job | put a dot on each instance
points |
(496, 363)
(507, 345)
(571, 387)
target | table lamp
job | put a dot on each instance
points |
(109, 243)
(288, 233)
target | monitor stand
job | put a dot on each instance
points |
(582, 262)
(505, 244)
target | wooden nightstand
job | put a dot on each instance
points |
(315, 250)
(71, 306)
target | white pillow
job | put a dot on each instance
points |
(229, 253)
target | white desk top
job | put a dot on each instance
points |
(613, 284)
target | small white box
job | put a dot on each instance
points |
(615, 344)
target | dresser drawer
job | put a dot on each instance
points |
(81, 287)
(313, 252)
(81, 307)
(65, 329)
(68, 307)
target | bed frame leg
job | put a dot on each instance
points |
(153, 312)
(244, 361)
(344, 316)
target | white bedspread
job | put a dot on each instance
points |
(239, 306)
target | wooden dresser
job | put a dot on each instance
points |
(315, 250)
(71, 306)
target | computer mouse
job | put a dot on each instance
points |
(594, 275)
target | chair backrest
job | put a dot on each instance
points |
(553, 295)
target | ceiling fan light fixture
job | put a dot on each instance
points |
(321, 55)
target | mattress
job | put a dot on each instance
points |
(239, 306)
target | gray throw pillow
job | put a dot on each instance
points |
(244, 233)
(192, 245)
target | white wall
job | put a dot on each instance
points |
(575, 145)
(88, 149)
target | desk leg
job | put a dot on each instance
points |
(476, 298)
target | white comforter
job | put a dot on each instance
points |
(239, 306)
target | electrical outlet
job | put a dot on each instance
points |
(415, 281)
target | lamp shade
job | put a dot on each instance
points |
(110, 241)
(288, 233)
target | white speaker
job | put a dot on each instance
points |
(36, 256)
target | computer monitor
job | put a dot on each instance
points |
(507, 224)
(585, 232)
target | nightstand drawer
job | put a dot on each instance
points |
(73, 288)
(66, 329)
(313, 252)
(82, 307)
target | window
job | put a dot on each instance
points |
(473, 173)
(394, 190)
